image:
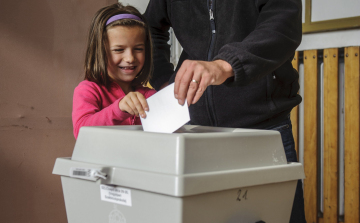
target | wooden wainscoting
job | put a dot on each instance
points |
(321, 159)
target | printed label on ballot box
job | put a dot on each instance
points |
(116, 195)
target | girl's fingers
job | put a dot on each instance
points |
(124, 106)
(132, 107)
(135, 104)
(138, 103)
(129, 100)
(144, 104)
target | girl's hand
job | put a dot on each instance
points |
(134, 103)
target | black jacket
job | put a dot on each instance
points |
(257, 37)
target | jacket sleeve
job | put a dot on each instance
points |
(274, 40)
(149, 93)
(159, 23)
(87, 109)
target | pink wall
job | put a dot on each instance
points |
(42, 45)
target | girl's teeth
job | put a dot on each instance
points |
(130, 68)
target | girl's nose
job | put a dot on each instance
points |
(129, 57)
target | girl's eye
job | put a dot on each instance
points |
(118, 50)
(139, 49)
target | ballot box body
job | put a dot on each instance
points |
(200, 174)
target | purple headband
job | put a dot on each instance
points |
(122, 16)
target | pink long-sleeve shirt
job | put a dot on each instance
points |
(95, 105)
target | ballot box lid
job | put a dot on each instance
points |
(192, 149)
(184, 184)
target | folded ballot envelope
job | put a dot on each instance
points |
(165, 114)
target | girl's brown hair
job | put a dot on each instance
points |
(96, 54)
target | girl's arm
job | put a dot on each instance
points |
(87, 109)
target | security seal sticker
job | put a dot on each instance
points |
(116, 195)
(87, 173)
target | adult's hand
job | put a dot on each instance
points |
(194, 77)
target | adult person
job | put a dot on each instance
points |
(235, 68)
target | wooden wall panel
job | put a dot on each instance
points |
(310, 134)
(352, 73)
(294, 115)
(331, 107)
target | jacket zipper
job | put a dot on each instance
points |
(209, 89)
(213, 30)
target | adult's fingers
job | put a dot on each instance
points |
(182, 80)
(178, 78)
(200, 80)
(205, 82)
(187, 88)
(193, 87)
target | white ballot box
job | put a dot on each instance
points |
(121, 174)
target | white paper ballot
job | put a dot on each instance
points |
(165, 114)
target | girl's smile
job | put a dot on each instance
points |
(128, 68)
(126, 54)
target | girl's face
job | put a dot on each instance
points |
(126, 54)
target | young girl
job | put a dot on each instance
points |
(118, 64)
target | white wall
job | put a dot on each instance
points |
(139, 4)
(322, 10)
(334, 9)
(333, 39)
